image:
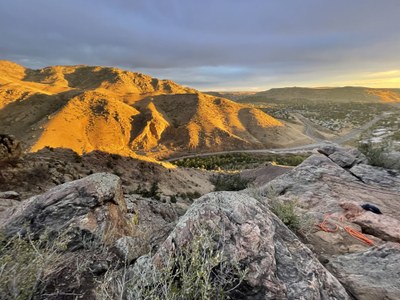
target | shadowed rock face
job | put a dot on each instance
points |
(279, 265)
(94, 204)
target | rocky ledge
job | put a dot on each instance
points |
(333, 185)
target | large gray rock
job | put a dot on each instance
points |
(279, 265)
(332, 184)
(377, 176)
(320, 186)
(344, 157)
(370, 275)
(94, 204)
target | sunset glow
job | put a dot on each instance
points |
(213, 45)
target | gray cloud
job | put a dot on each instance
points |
(224, 44)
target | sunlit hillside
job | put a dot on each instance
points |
(342, 94)
(99, 108)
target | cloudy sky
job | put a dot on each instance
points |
(213, 44)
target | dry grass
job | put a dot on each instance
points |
(197, 271)
(24, 265)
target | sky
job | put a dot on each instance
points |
(221, 45)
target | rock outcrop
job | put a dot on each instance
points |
(279, 265)
(130, 229)
(8, 200)
(370, 275)
(332, 185)
(92, 205)
(322, 184)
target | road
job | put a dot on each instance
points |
(299, 149)
(356, 132)
(309, 128)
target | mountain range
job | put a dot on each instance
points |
(86, 108)
(327, 94)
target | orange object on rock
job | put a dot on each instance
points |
(329, 226)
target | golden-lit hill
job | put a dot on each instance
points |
(88, 108)
(340, 94)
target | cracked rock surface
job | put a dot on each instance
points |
(279, 265)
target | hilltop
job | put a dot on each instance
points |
(339, 94)
(87, 108)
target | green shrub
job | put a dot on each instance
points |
(286, 211)
(153, 192)
(238, 161)
(229, 182)
(377, 155)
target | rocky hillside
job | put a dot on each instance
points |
(341, 94)
(87, 108)
(306, 234)
(32, 173)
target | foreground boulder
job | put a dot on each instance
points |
(333, 185)
(278, 265)
(322, 186)
(73, 229)
(371, 275)
(92, 205)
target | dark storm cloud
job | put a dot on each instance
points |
(209, 43)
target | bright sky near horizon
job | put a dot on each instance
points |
(213, 44)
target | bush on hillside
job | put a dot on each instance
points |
(229, 182)
(373, 153)
(378, 155)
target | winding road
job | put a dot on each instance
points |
(309, 130)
